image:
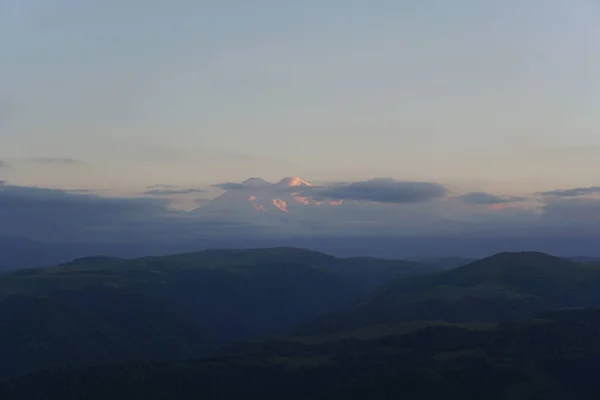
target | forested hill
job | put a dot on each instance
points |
(511, 326)
(506, 286)
(553, 357)
(103, 309)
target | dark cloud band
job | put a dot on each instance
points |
(70, 216)
(482, 198)
(172, 192)
(575, 192)
(380, 190)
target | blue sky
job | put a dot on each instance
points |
(496, 96)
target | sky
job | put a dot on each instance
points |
(118, 96)
(194, 92)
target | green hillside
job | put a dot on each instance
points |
(553, 357)
(502, 287)
(511, 326)
(90, 327)
(102, 309)
(366, 273)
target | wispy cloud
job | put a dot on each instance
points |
(3, 164)
(380, 190)
(55, 161)
(482, 198)
(201, 202)
(230, 186)
(84, 191)
(251, 183)
(42, 212)
(172, 192)
(405, 210)
(575, 192)
(161, 186)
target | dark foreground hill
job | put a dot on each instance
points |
(503, 287)
(438, 335)
(100, 310)
(553, 357)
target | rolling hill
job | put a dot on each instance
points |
(514, 325)
(106, 309)
(553, 357)
(502, 287)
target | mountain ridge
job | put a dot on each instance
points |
(293, 181)
(99, 310)
(504, 286)
(259, 201)
(76, 311)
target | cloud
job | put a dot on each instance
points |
(78, 216)
(55, 161)
(482, 198)
(83, 190)
(201, 202)
(3, 164)
(380, 190)
(569, 210)
(229, 186)
(50, 213)
(383, 208)
(252, 183)
(575, 192)
(172, 192)
(12, 196)
(161, 186)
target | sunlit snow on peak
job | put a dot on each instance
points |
(281, 204)
(293, 181)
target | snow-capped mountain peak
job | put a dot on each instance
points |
(293, 181)
(260, 201)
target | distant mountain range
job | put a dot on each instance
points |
(513, 325)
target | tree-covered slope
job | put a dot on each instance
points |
(502, 287)
(91, 326)
(552, 357)
(419, 337)
(103, 309)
